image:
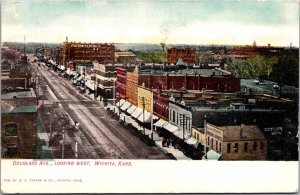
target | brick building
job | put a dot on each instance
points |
(161, 104)
(188, 55)
(19, 124)
(132, 81)
(245, 51)
(144, 98)
(87, 52)
(105, 78)
(125, 57)
(192, 80)
(121, 83)
(237, 142)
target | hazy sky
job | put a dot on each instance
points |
(152, 21)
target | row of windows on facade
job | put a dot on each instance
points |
(181, 119)
(10, 150)
(210, 142)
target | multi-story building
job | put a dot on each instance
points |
(245, 51)
(125, 57)
(121, 83)
(161, 104)
(105, 78)
(145, 98)
(188, 55)
(87, 52)
(191, 79)
(19, 124)
(132, 81)
(180, 117)
(237, 142)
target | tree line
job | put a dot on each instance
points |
(282, 68)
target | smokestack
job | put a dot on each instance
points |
(241, 130)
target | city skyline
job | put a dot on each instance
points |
(180, 22)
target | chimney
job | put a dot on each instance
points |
(241, 130)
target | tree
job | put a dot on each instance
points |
(163, 46)
(286, 70)
(253, 67)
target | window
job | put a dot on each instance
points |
(10, 151)
(262, 145)
(236, 147)
(194, 134)
(212, 143)
(246, 147)
(217, 145)
(177, 117)
(207, 141)
(220, 147)
(173, 116)
(228, 147)
(197, 136)
(254, 146)
(11, 129)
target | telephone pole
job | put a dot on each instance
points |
(183, 122)
(143, 103)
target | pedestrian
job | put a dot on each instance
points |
(168, 142)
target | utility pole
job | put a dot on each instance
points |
(76, 150)
(183, 122)
(63, 144)
(84, 72)
(114, 94)
(143, 103)
(152, 103)
(205, 136)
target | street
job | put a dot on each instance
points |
(69, 117)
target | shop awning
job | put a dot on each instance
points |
(116, 111)
(70, 72)
(125, 118)
(62, 67)
(76, 75)
(145, 118)
(212, 155)
(170, 127)
(90, 84)
(136, 125)
(193, 142)
(179, 134)
(79, 78)
(160, 123)
(131, 109)
(120, 103)
(125, 106)
(137, 112)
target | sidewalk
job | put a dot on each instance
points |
(158, 142)
(44, 151)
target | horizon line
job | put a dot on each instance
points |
(195, 44)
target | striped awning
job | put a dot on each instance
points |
(131, 109)
(125, 106)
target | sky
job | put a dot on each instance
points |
(237, 22)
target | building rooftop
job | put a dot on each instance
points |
(174, 72)
(22, 94)
(124, 53)
(244, 133)
(21, 109)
